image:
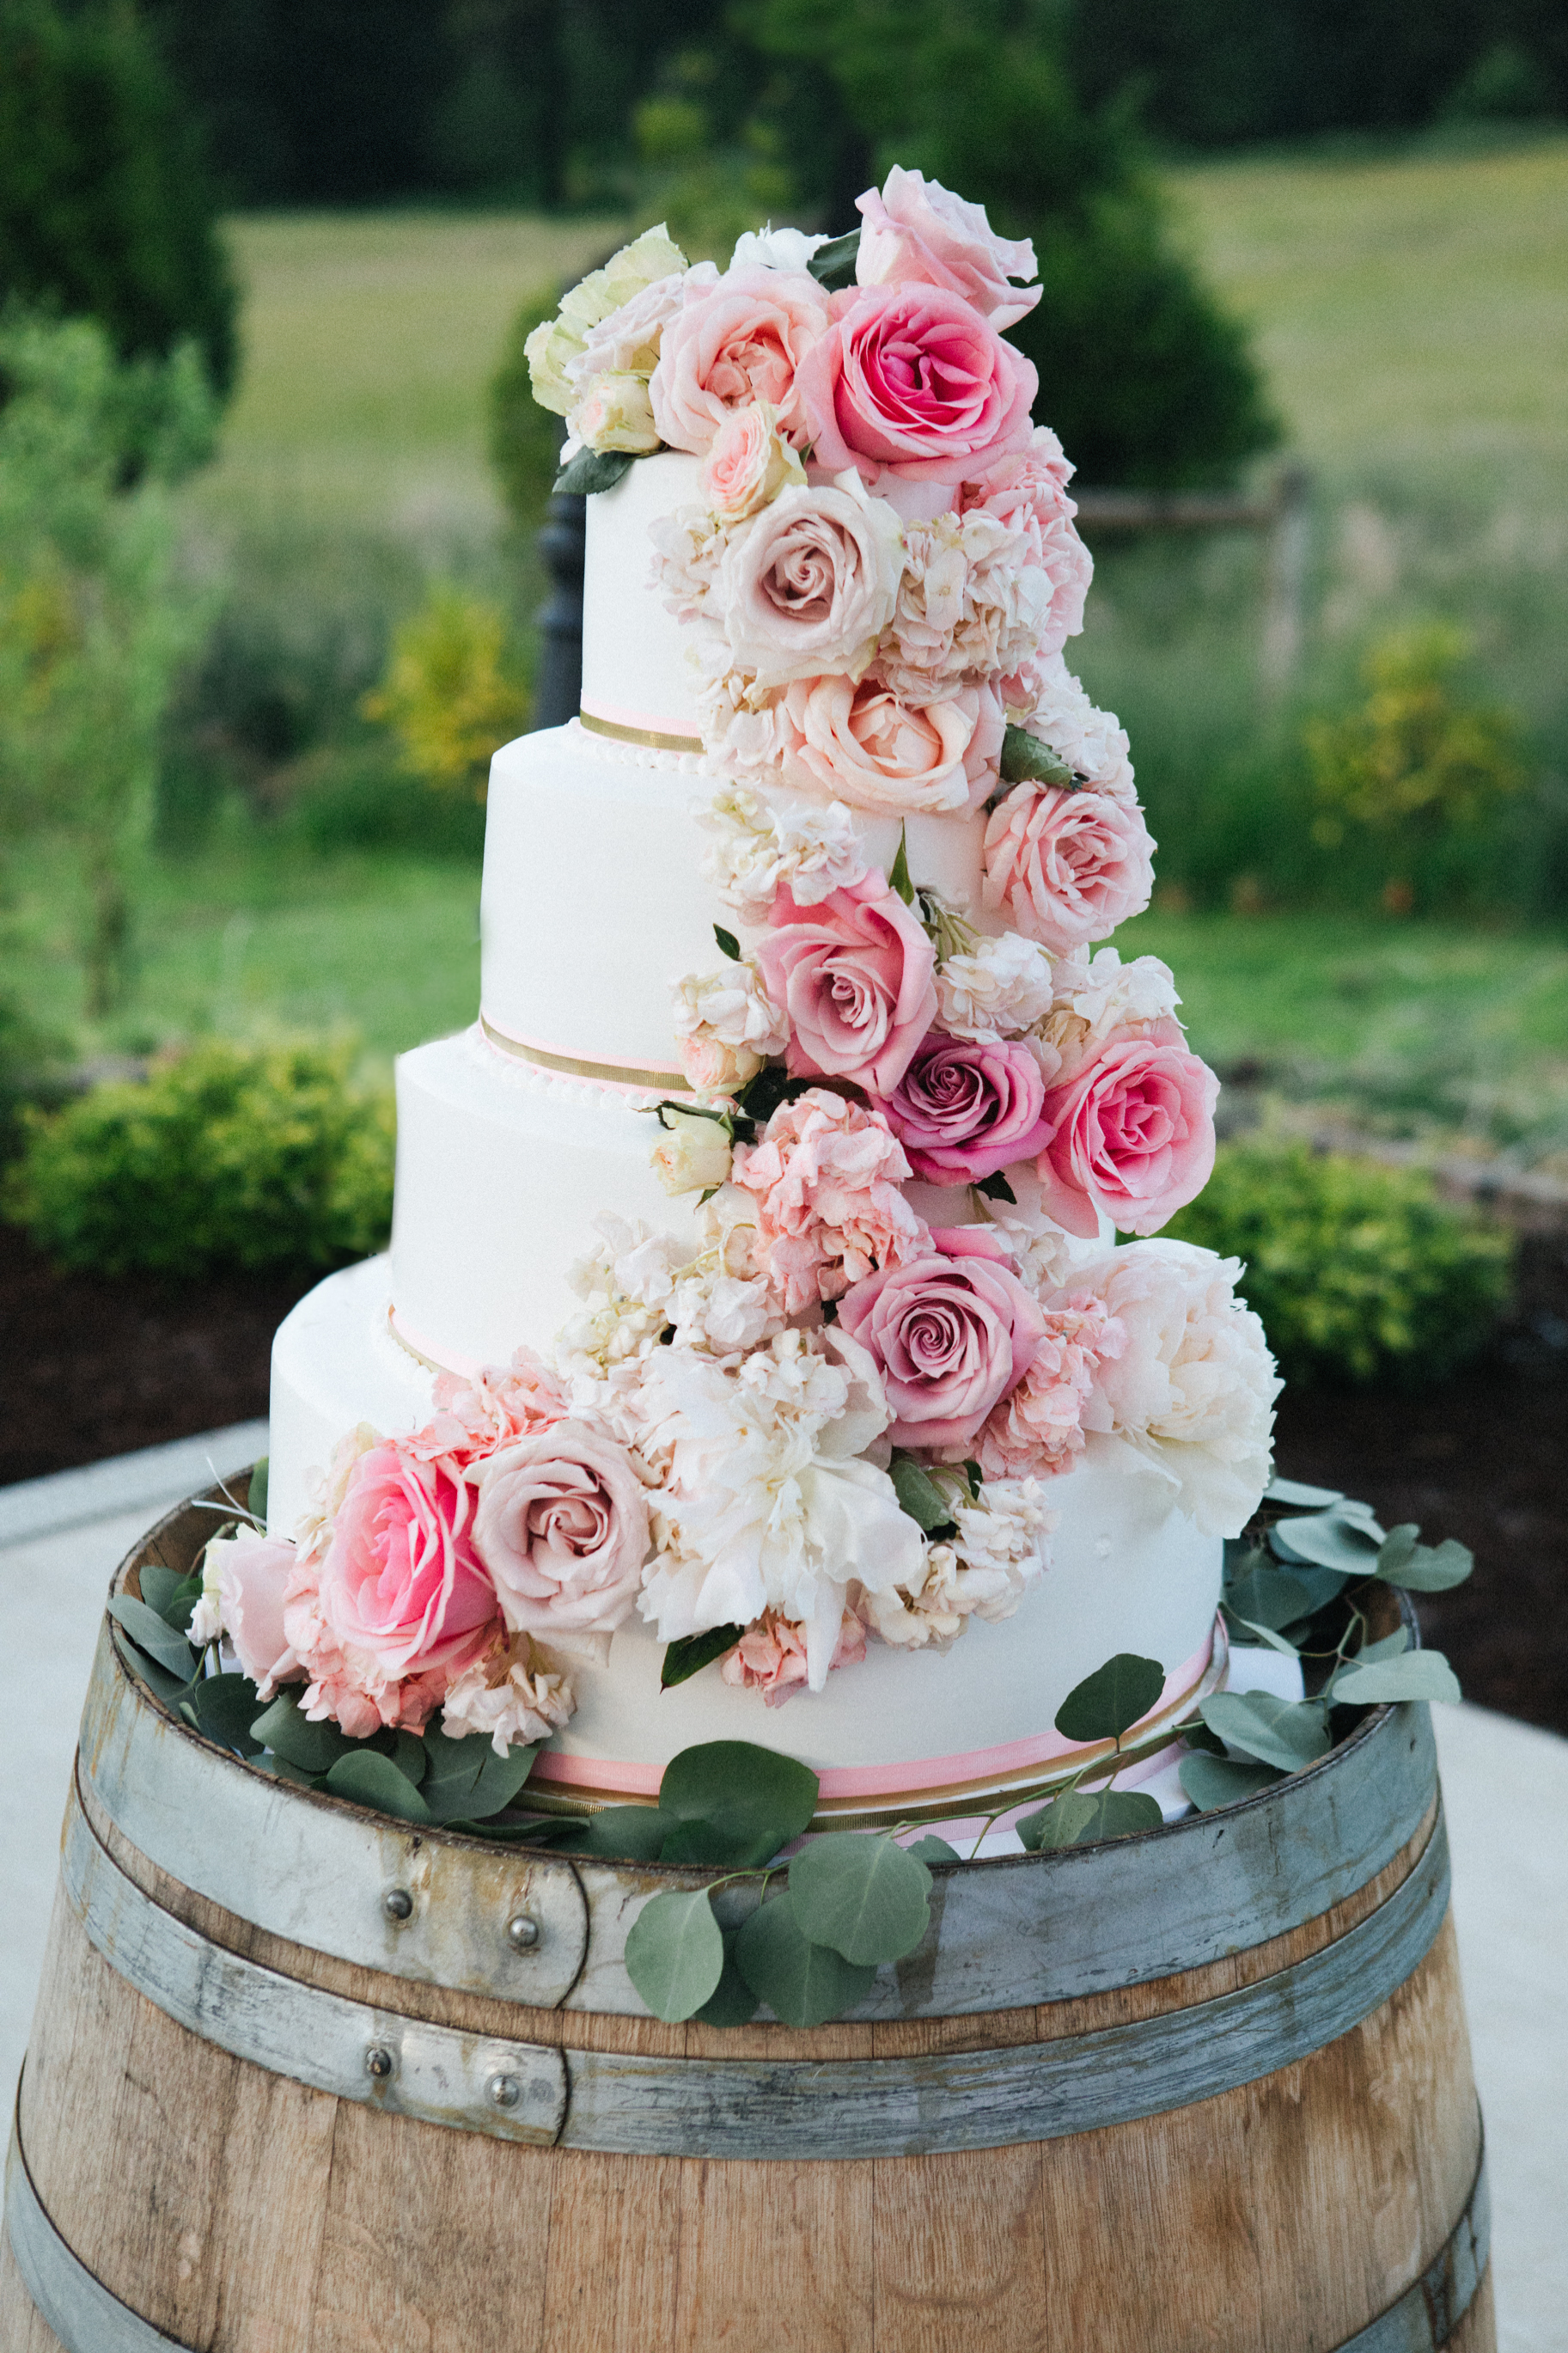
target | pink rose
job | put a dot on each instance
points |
(1037, 1430)
(476, 1414)
(916, 230)
(1066, 865)
(562, 1527)
(769, 1656)
(740, 341)
(252, 1574)
(854, 978)
(748, 464)
(403, 1591)
(951, 1333)
(860, 744)
(911, 378)
(965, 1108)
(807, 586)
(1026, 493)
(826, 1178)
(1133, 1134)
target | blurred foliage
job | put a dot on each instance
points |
(106, 210)
(524, 439)
(1416, 755)
(227, 1156)
(1358, 1271)
(95, 622)
(452, 695)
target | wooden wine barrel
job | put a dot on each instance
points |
(305, 2080)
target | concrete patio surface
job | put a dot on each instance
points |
(1505, 1787)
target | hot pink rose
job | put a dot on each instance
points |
(860, 744)
(964, 1109)
(1066, 865)
(403, 1591)
(918, 230)
(1037, 1429)
(826, 1178)
(474, 1415)
(769, 1656)
(855, 976)
(562, 1527)
(252, 1573)
(740, 341)
(1133, 1134)
(1027, 492)
(951, 1333)
(912, 379)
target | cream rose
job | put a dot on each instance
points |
(749, 464)
(557, 344)
(615, 413)
(808, 585)
(692, 1151)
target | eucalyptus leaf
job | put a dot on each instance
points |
(753, 1800)
(172, 1595)
(1263, 1595)
(931, 1849)
(1392, 1646)
(675, 1954)
(224, 1706)
(591, 470)
(1083, 1817)
(556, 1830)
(1287, 1732)
(1328, 1540)
(625, 1833)
(1425, 1569)
(1110, 1701)
(732, 2002)
(804, 1984)
(728, 945)
(867, 1897)
(1295, 1491)
(1419, 1675)
(687, 1657)
(1027, 760)
(158, 1680)
(469, 1788)
(1214, 1782)
(832, 264)
(286, 1729)
(919, 1494)
(407, 1750)
(256, 1494)
(1267, 1638)
(369, 1779)
(149, 1633)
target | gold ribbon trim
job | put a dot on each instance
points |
(619, 1074)
(645, 736)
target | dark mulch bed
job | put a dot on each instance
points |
(89, 1368)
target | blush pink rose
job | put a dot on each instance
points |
(951, 1333)
(769, 1656)
(253, 1574)
(861, 744)
(562, 1528)
(403, 1591)
(855, 978)
(1026, 493)
(808, 585)
(916, 229)
(494, 1406)
(1037, 1429)
(965, 1108)
(1066, 865)
(1133, 1134)
(740, 341)
(912, 379)
(826, 1177)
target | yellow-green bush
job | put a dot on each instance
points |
(226, 1155)
(450, 695)
(1358, 1271)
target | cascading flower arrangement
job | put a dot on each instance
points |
(837, 1419)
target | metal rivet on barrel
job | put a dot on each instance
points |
(522, 1932)
(397, 1903)
(503, 2091)
(378, 2062)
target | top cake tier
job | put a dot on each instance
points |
(637, 675)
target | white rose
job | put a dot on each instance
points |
(556, 345)
(692, 1151)
(615, 413)
(726, 1025)
(807, 587)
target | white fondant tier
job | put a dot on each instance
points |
(637, 666)
(1128, 1573)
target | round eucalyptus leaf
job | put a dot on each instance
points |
(865, 1896)
(150, 1634)
(1214, 1782)
(1110, 1701)
(372, 1780)
(1287, 1732)
(1418, 1675)
(752, 1801)
(627, 1833)
(1335, 1539)
(1425, 1569)
(289, 1732)
(804, 1984)
(1084, 1817)
(931, 1849)
(732, 2002)
(675, 1955)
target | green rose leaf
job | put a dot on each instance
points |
(732, 2002)
(1422, 1568)
(802, 1983)
(752, 1800)
(728, 945)
(996, 1188)
(1418, 1675)
(931, 1849)
(868, 1898)
(369, 1779)
(919, 1494)
(832, 264)
(1110, 1701)
(1287, 1732)
(1083, 1817)
(224, 1706)
(1214, 1782)
(150, 1634)
(675, 1955)
(687, 1657)
(593, 469)
(290, 1734)
(1027, 760)
(1328, 1540)
(898, 879)
(256, 1494)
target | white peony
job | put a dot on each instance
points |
(627, 1287)
(1001, 988)
(1093, 743)
(981, 1571)
(967, 607)
(763, 845)
(774, 248)
(1194, 1389)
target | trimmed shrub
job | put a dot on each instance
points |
(227, 1156)
(1359, 1272)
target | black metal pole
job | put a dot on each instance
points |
(561, 544)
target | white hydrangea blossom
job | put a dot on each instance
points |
(760, 845)
(1097, 996)
(727, 1024)
(514, 1695)
(999, 989)
(1040, 1249)
(1093, 743)
(627, 1287)
(984, 1570)
(774, 248)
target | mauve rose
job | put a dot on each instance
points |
(250, 1573)
(860, 744)
(562, 1527)
(950, 1333)
(401, 1586)
(916, 230)
(742, 340)
(911, 378)
(1066, 865)
(808, 585)
(963, 1109)
(749, 464)
(854, 978)
(1133, 1134)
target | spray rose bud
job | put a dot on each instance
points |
(693, 1150)
(749, 464)
(615, 413)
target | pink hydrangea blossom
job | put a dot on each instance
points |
(1133, 1134)
(826, 1179)
(912, 379)
(1027, 490)
(950, 1332)
(1037, 1429)
(475, 1413)
(855, 978)
(968, 605)
(740, 340)
(915, 229)
(769, 1656)
(1066, 865)
(966, 1107)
